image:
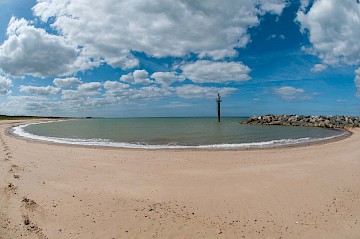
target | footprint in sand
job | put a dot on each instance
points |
(29, 205)
(31, 226)
(14, 168)
(6, 148)
(10, 187)
(8, 156)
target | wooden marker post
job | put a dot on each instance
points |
(218, 107)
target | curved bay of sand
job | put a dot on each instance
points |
(60, 191)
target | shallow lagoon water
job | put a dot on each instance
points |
(172, 133)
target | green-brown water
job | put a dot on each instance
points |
(172, 133)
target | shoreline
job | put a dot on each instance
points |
(56, 191)
(345, 134)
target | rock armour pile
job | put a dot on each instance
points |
(309, 121)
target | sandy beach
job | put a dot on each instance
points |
(59, 191)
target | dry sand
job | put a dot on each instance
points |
(58, 191)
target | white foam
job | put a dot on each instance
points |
(20, 131)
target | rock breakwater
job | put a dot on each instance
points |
(309, 121)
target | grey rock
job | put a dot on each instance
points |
(310, 121)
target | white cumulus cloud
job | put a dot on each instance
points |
(128, 78)
(199, 92)
(272, 6)
(40, 90)
(291, 93)
(204, 71)
(333, 29)
(111, 30)
(141, 77)
(137, 77)
(357, 82)
(92, 86)
(319, 68)
(167, 78)
(83, 92)
(116, 89)
(78, 95)
(67, 82)
(304, 4)
(32, 51)
(5, 83)
(31, 105)
(150, 93)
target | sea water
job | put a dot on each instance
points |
(171, 133)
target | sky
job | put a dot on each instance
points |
(146, 58)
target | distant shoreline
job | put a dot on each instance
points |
(24, 117)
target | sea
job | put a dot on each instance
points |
(157, 133)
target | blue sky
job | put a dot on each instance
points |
(161, 58)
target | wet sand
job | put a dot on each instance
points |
(60, 191)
